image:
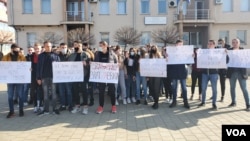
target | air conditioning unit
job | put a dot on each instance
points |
(172, 3)
(93, 1)
(218, 1)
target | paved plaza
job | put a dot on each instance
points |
(131, 122)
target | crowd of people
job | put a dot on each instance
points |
(132, 87)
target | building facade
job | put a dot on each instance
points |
(196, 20)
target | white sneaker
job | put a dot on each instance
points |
(116, 102)
(85, 110)
(133, 99)
(166, 100)
(75, 110)
(41, 108)
(170, 101)
(120, 97)
(124, 101)
(35, 109)
(25, 104)
(128, 100)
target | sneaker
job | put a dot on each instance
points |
(10, 115)
(201, 105)
(173, 104)
(41, 108)
(128, 100)
(75, 110)
(138, 102)
(85, 110)
(113, 109)
(116, 102)
(70, 108)
(166, 100)
(99, 110)
(186, 105)
(133, 99)
(232, 105)
(25, 104)
(155, 106)
(120, 98)
(91, 103)
(145, 102)
(21, 113)
(62, 108)
(42, 113)
(248, 108)
(35, 109)
(124, 101)
(56, 111)
(151, 99)
(214, 107)
(170, 101)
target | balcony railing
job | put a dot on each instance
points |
(195, 14)
(77, 16)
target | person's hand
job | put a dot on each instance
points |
(84, 63)
(39, 82)
(226, 51)
(133, 78)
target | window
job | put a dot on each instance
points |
(104, 7)
(227, 6)
(46, 6)
(144, 6)
(242, 36)
(162, 6)
(72, 8)
(245, 5)
(27, 7)
(145, 38)
(31, 38)
(121, 7)
(224, 35)
(105, 36)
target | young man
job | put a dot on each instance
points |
(241, 75)
(45, 77)
(106, 55)
(14, 55)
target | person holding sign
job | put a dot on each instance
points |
(14, 55)
(241, 74)
(178, 72)
(106, 55)
(44, 77)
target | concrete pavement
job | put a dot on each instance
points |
(130, 123)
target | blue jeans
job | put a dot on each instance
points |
(12, 88)
(243, 83)
(183, 88)
(121, 86)
(213, 79)
(25, 91)
(65, 91)
(141, 80)
(130, 86)
(49, 90)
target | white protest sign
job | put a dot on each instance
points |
(211, 58)
(180, 55)
(15, 72)
(104, 72)
(239, 58)
(153, 67)
(68, 72)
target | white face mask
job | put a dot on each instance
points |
(139, 53)
(100, 49)
(64, 51)
(132, 53)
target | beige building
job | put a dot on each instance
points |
(201, 19)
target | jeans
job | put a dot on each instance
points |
(25, 92)
(12, 88)
(213, 79)
(243, 83)
(130, 86)
(49, 90)
(183, 88)
(65, 91)
(141, 80)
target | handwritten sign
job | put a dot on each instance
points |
(104, 72)
(67, 72)
(15, 72)
(211, 58)
(180, 55)
(153, 67)
(239, 58)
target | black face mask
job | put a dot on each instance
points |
(76, 49)
(84, 49)
(16, 52)
(153, 51)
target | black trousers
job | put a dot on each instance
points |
(167, 87)
(36, 93)
(154, 88)
(80, 88)
(111, 93)
(196, 76)
(222, 83)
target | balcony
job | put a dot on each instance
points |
(194, 15)
(77, 17)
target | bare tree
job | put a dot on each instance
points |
(80, 34)
(127, 35)
(52, 37)
(5, 37)
(166, 35)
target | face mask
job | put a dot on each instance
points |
(84, 49)
(76, 49)
(139, 53)
(100, 49)
(64, 51)
(132, 53)
(153, 51)
(16, 52)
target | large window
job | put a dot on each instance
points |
(27, 7)
(244, 5)
(224, 35)
(105, 36)
(104, 7)
(227, 6)
(144, 6)
(242, 36)
(72, 8)
(162, 6)
(45, 6)
(145, 38)
(31, 38)
(121, 6)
